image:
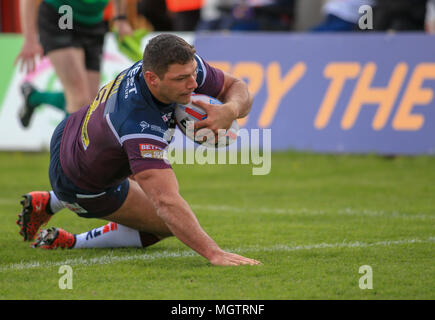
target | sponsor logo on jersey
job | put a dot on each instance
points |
(157, 129)
(130, 86)
(144, 125)
(150, 151)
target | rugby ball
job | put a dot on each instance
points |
(193, 113)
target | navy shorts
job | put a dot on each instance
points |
(84, 203)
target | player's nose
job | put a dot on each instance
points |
(191, 84)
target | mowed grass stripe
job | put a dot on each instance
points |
(300, 211)
(109, 259)
(314, 212)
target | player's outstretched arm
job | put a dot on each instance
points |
(161, 186)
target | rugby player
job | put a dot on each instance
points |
(75, 53)
(106, 160)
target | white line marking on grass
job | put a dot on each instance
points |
(354, 244)
(108, 259)
(313, 212)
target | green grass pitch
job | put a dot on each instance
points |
(312, 222)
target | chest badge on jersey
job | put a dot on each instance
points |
(144, 125)
(167, 116)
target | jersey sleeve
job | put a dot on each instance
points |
(143, 143)
(210, 80)
(145, 152)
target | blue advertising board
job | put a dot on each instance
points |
(353, 92)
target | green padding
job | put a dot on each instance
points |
(11, 46)
(130, 46)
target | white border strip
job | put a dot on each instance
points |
(204, 70)
(143, 136)
(89, 196)
(109, 122)
(109, 259)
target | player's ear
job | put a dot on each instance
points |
(151, 78)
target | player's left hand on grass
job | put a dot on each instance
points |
(231, 259)
(218, 117)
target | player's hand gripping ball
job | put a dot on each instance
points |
(193, 113)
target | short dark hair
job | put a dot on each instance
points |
(164, 50)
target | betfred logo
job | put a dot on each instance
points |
(148, 146)
(151, 151)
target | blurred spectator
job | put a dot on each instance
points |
(252, 15)
(155, 11)
(341, 15)
(215, 15)
(399, 15)
(185, 14)
(430, 16)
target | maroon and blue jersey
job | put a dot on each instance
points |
(125, 130)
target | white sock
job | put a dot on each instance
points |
(111, 235)
(55, 204)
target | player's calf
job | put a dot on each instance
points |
(111, 235)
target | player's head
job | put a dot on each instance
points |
(169, 68)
